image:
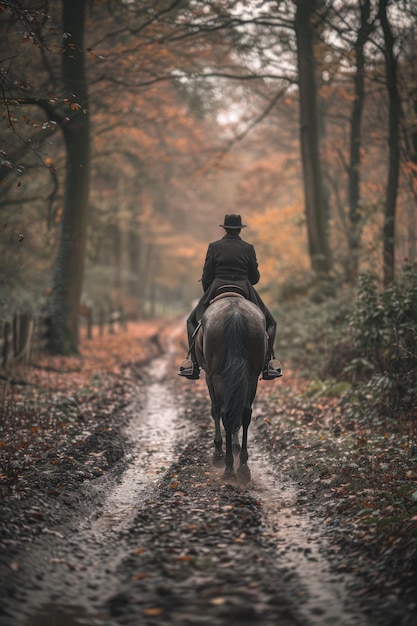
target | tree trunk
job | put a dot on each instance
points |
(309, 129)
(364, 32)
(69, 264)
(134, 248)
(117, 236)
(393, 146)
(412, 219)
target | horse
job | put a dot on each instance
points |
(231, 345)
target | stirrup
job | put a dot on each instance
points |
(272, 370)
(188, 369)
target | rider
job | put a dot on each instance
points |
(230, 261)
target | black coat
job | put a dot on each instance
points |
(229, 261)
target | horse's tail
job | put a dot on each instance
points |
(235, 371)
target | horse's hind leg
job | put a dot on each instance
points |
(218, 454)
(246, 419)
(228, 459)
(243, 471)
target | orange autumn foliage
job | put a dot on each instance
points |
(279, 236)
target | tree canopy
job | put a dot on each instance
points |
(300, 115)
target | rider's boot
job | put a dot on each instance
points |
(272, 367)
(189, 367)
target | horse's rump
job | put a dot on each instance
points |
(231, 348)
(226, 319)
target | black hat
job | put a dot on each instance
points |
(232, 221)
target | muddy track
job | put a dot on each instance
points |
(162, 539)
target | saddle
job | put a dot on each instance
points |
(225, 291)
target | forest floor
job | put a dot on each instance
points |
(112, 513)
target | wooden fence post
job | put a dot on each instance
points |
(101, 322)
(90, 325)
(16, 332)
(5, 348)
(22, 336)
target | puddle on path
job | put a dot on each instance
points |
(155, 432)
(83, 570)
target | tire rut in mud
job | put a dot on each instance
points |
(188, 551)
(197, 555)
(165, 546)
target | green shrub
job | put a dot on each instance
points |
(367, 339)
(383, 326)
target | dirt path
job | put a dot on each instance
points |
(162, 539)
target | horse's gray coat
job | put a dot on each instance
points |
(231, 347)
